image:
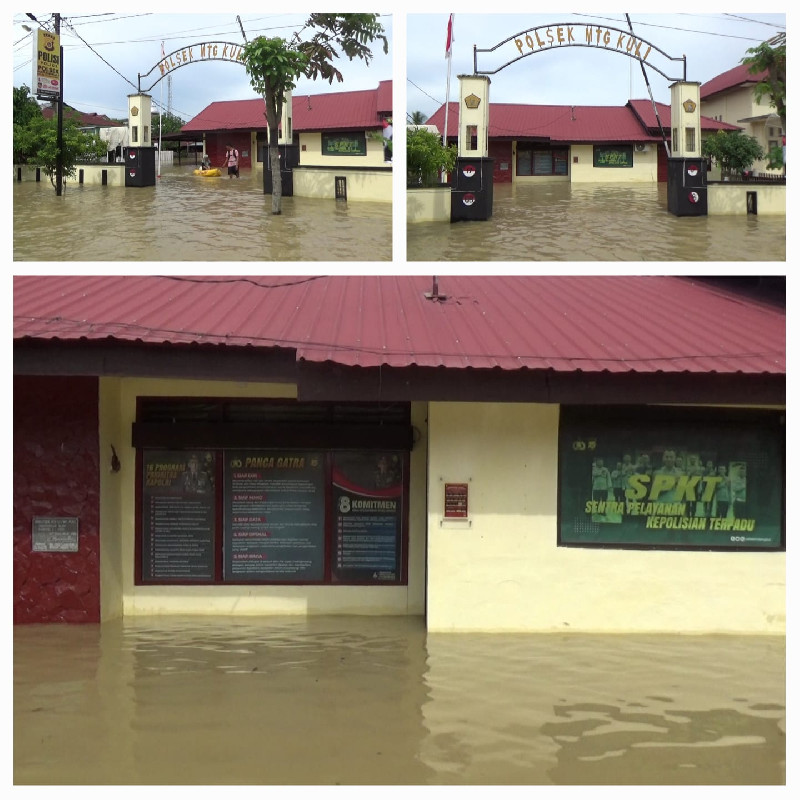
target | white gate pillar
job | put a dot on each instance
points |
(140, 128)
(685, 110)
(473, 116)
(286, 133)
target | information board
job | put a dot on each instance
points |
(368, 516)
(671, 478)
(274, 522)
(178, 515)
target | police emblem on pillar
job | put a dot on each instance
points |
(468, 199)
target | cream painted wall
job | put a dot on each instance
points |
(92, 174)
(731, 199)
(644, 169)
(428, 205)
(111, 492)
(120, 595)
(311, 153)
(368, 185)
(503, 571)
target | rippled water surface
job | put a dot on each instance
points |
(594, 222)
(188, 218)
(354, 700)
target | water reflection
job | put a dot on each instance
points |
(595, 222)
(189, 218)
(377, 701)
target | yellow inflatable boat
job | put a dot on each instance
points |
(209, 173)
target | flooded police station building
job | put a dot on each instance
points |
(489, 453)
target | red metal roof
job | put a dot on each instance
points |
(634, 122)
(85, 119)
(643, 109)
(361, 110)
(738, 76)
(619, 324)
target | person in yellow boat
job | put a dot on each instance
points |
(206, 162)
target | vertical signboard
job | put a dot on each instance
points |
(274, 523)
(47, 65)
(671, 478)
(178, 515)
(368, 516)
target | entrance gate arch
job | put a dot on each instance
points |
(472, 183)
(140, 155)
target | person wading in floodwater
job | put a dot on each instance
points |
(232, 160)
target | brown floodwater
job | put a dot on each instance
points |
(596, 222)
(378, 701)
(188, 218)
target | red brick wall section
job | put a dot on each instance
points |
(56, 474)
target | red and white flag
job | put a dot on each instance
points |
(448, 50)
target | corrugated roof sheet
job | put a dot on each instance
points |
(635, 122)
(738, 76)
(339, 110)
(617, 324)
(643, 109)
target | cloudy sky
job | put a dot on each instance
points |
(712, 42)
(104, 53)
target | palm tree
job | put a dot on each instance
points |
(417, 118)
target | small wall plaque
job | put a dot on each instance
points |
(55, 535)
(456, 497)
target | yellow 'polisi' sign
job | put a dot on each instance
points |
(47, 65)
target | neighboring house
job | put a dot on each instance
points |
(336, 129)
(111, 131)
(576, 143)
(486, 452)
(730, 98)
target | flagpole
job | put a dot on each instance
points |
(448, 56)
(160, 117)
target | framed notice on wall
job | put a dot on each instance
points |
(274, 521)
(367, 499)
(178, 515)
(672, 478)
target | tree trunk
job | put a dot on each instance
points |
(275, 166)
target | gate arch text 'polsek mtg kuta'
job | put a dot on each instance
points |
(471, 193)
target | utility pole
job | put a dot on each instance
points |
(60, 128)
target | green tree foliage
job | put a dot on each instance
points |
(274, 65)
(417, 118)
(38, 146)
(25, 106)
(770, 56)
(775, 158)
(25, 109)
(427, 157)
(734, 152)
(166, 123)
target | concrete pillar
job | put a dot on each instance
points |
(685, 97)
(286, 132)
(140, 128)
(473, 116)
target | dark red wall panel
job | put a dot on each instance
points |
(56, 474)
